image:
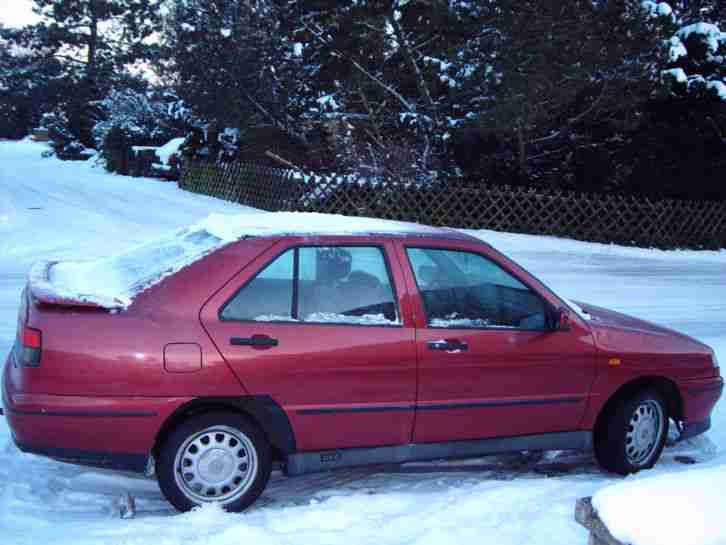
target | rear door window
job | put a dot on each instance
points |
(345, 284)
(320, 284)
(466, 290)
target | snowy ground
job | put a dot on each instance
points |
(51, 209)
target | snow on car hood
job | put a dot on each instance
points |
(602, 317)
(113, 282)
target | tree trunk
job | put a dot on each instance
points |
(92, 46)
(89, 92)
(522, 152)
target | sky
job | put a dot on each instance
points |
(16, 12)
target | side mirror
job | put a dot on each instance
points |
(564, 322)
(559, 320)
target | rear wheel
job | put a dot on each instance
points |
(632, 436)
(214, 458)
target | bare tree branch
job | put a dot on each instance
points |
(408, 54)
(390, 90)
(592, 107)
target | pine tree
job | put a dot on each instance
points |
(94, 40)
(559, 67)
(28, 86)
(229, 60)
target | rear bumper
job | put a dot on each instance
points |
(109, 460)
(116, 433)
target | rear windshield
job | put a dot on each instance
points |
(124, 275)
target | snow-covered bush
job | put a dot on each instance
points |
(697, 61)
(62, 137)
(146, 118)
(133, 118)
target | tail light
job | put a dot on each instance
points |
(29, 347)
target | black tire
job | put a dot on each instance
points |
(241, 441)
(622, 443)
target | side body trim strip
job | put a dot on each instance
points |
(85, 414)
(439, 406)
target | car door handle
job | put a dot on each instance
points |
(255, 341)
(448, 345)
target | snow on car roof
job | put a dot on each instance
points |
(113, 282)
(231, 228)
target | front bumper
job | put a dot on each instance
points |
(692, 429)
(699, 398)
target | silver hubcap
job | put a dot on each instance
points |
(217, 465)
(645, 430)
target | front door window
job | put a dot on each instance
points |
(466, 290)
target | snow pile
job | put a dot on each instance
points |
(113, 282)
(165, 152)
(684, 508)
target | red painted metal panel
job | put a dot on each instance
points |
(334, 367)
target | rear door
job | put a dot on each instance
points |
(321, 327)
(488, 366)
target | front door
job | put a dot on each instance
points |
(320, 330)
(488, 364)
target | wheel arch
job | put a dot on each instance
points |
(664, 386)
(262, 410)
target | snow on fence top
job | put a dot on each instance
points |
(685, 508)
(113, 282)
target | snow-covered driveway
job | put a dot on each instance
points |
(51, 209)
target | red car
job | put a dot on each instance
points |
(318, 351)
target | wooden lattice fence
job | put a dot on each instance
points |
(595, 217)
(246, 183)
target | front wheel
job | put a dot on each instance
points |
(215, 457)
(632, 436)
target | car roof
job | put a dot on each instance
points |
(433, 233)
(304, 224)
